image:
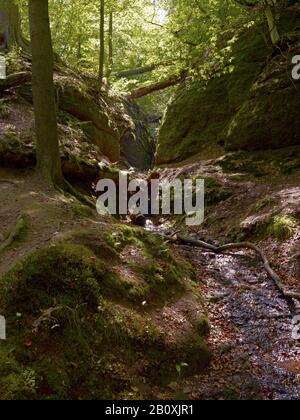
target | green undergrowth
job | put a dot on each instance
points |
(279, 228)
(4, 110)
(282, 227)
(80, 327)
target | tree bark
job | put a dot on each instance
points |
(47, 150)
(10, 26)
(146, 90)
(102, 46)
(124, 74)
(110, 47)
(274, 34)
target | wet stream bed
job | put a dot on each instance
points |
(254, 353)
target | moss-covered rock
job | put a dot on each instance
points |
(192, 121)
(199, 113)
(80, 323)
(137, 140)
(268, 119)
(253, 106)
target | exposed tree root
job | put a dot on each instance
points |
(69, 189)
(7, 181)
(13, 233)
(288, 294)
(146, 90)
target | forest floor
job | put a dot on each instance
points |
(47, 211)
(254, 354)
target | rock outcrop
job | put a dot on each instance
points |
(253, 106)
(92, 127)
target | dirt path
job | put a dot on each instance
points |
(47, 212)
(255, 355)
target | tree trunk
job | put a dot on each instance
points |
(146, 90)
(10, 26)
(275, 37)
(47, 150)
(125, 74)
(102, 46)
(110, 47)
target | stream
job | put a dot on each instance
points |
(254, 353)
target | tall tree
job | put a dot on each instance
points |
(102, 43)
(110, 46)
(274, 33)
(48, 158)
(268, 7)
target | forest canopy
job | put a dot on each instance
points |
(157, 38)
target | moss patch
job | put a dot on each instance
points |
(77, 331)
(282, 227)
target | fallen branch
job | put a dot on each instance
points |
(13, 233)
(243, 245)
(146, 90)
(124, 74)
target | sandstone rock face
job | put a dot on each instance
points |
(137, 141)
(253, 107)
(270, 117)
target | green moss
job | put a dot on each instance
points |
(73, 330)
(18, 229)
(202, 326)
(282, 228)
(191, 354)
(16, 382)
(63, 274)
(125, 235)
(198, 117)
(268, 118)
(126, 326)
(161, 275)
(4, 110)
(10, 139)
(82, 211)
(262, 204)
(185, 130)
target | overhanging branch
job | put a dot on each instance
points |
(155, 87)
